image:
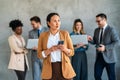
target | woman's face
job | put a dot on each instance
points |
(18, 30)
(78, 26)
(54, 22)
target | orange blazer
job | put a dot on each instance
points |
(67, 69)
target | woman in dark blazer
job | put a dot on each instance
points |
(79, 60)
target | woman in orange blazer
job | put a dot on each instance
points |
(55, 54)
(18, 59)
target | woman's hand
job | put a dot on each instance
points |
(80, 45)
(64, 49)
(25, 51)
(53, 48)
(47, 52)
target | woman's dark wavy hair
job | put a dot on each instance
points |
(15, 23)
(49, 17)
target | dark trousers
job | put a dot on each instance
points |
(100, 64)
(21, 74)
(57, 72)
(79, 63)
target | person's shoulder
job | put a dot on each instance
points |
(64, 31)
(97, 28)
(44, 33)
(72, 33)
(45, 28)
(111, 29)
(11, 37)
(31, 31)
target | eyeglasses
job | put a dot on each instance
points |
(98, 21)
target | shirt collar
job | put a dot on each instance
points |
(40, 28)
(57, 34)
(105, 27)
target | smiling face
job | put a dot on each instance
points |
(78, 26)
(100, 21)
(18, 30)
(54, 22)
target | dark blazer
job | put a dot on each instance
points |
(110, 40)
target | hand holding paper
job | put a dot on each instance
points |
(34, 48)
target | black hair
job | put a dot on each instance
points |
(36, 19)
(49, 17)
(15, 23)
(102, 15)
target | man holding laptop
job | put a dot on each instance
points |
(34, 34)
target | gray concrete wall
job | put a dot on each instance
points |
(68, 10)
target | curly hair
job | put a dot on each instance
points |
(15, 23)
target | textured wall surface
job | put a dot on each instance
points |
(68, 10)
